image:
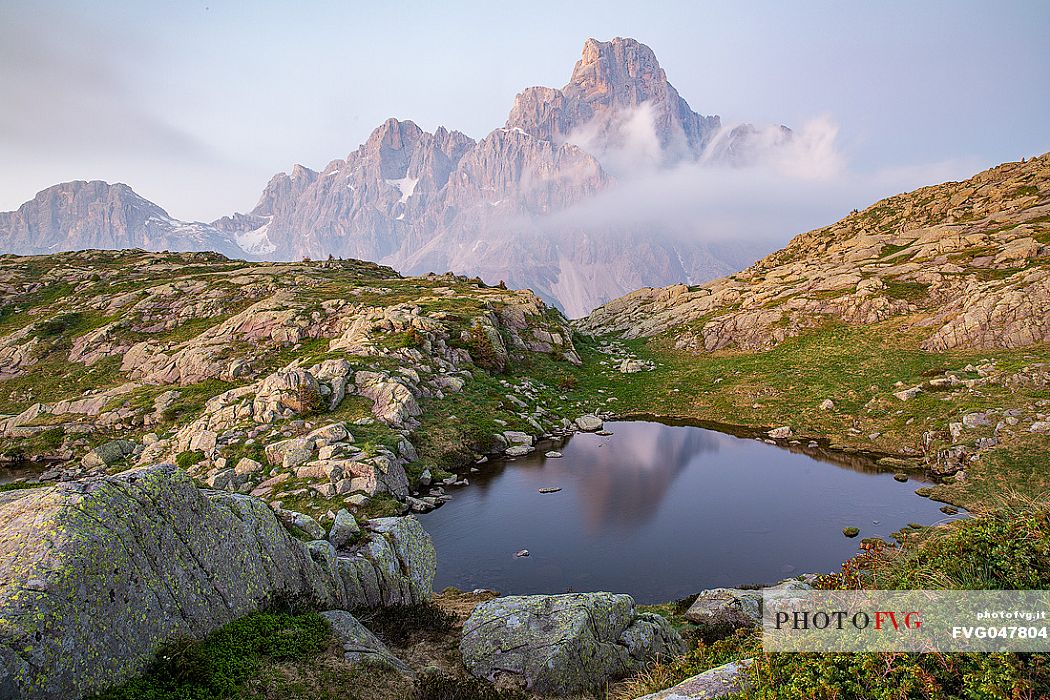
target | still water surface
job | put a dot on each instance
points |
(660, 512)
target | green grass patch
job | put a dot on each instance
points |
(1023, 191)
(189, 458)
(892, 249)
(219, 665)
(54, 378)
(23, 485)
(908, 291)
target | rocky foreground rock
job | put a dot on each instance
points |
(719, 682)
(96, 574)
(563, 644)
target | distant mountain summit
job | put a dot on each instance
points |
(500, 207)
(77, 215)
(610, 81)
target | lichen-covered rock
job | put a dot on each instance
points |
(109, 453)
(718, 682)
(344, 530)
(96, 574)
(563, 644)
(589, 423)
(300, 524)
(359, 644)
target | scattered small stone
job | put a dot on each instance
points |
(850, 531)
(550, 489)
(522, 553)
(901, 477)
(553, 454)
(949, 510)
(907, 394)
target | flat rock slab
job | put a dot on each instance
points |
(359, 644)
(714, 683)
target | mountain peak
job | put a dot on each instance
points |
(96, 214)
(625, 70)
(610, 83)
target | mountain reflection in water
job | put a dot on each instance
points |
(628, 479)
(661, 511)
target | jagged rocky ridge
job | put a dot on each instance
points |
(964, 264)
(443, 201)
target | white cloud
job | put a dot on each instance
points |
(761, 191)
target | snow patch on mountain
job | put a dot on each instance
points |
(406, 186)
(256, 242)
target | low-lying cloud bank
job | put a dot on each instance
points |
(760, 190)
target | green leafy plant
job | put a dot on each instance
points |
(219, 665)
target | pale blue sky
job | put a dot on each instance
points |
(196, 104)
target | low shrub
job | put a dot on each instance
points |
(185, 460)
(398, 626)
(439, 686)
(218, 665)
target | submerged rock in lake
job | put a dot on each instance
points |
(563, 644)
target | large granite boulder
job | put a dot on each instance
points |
(735, 607)
(563, 644)
(96, 574)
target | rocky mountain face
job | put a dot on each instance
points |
(963, 264)
(421, 202)
(498, 207)
(77, 215)
(610, 81)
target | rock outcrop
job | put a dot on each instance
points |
(96, 574)
(966, 264)
(231, 368)
(736, 607)
(562, 644)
